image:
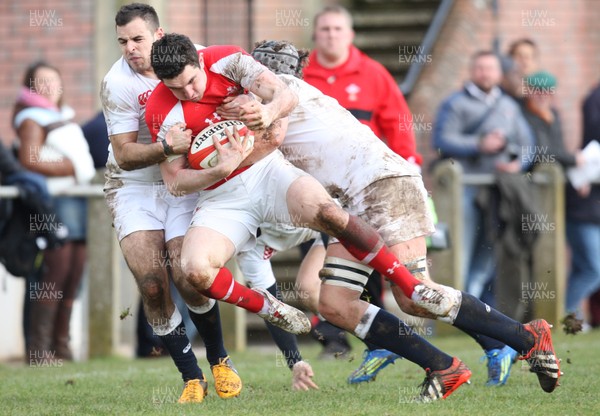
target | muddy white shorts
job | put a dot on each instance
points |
(149, 207)
(255, 264)
(395, 207)
(239, 206)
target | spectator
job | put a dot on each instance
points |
(483, 129)
(537, 106)
(361, 85)
(523, 61)
(366, 89)
(583, 221)
(543, 118)
(54, 146)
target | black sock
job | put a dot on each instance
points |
(370, 346)
(389, 332)
(287, 343)
(209, 328)
(476, 316)
(486, 342)
(180, 349)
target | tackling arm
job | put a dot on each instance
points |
(278, 101)
(131, 155)
(181, 180)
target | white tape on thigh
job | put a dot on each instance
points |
(345, 273)
(165, 327)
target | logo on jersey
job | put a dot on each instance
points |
(268, 253)
(352, 91)
(143, 98)
(215, 118)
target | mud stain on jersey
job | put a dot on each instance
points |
(111, 182)
(105, 94)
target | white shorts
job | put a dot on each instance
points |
(255, 264)
(149, 207)
(238, 207)
(395, 207)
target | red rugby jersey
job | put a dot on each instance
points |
(227, 69)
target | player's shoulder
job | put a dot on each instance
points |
(119, 73)
(161, 100)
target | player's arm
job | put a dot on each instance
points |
(131, 155)
(278, 101)
(181, 180)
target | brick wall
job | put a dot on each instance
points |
(569, 41)
(60, 32)
(227, 21)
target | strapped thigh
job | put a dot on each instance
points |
(345, 273)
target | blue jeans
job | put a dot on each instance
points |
(478, 260)
(584, 277)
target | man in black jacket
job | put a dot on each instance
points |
(583, 221)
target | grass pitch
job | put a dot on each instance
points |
(117, 386)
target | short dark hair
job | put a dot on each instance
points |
(515, 45)
(134, 10)
(171, 54)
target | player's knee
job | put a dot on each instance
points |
(328, 310)
(198, 273)
(330, 219)
(152, 289)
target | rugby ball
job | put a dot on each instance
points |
(203, 154)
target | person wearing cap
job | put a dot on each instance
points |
(582, 210)
(537, 106)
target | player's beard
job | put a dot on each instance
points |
(140, 65)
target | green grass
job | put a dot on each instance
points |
(117, 386)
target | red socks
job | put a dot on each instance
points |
(226, 289)
(366, 245)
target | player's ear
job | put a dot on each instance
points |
(201, 60)
(160, 32)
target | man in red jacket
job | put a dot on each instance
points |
(360, 84)
(365, 88)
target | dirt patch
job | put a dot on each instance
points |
(572, 325)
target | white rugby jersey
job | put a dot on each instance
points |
(329, 143)
(124, 94)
